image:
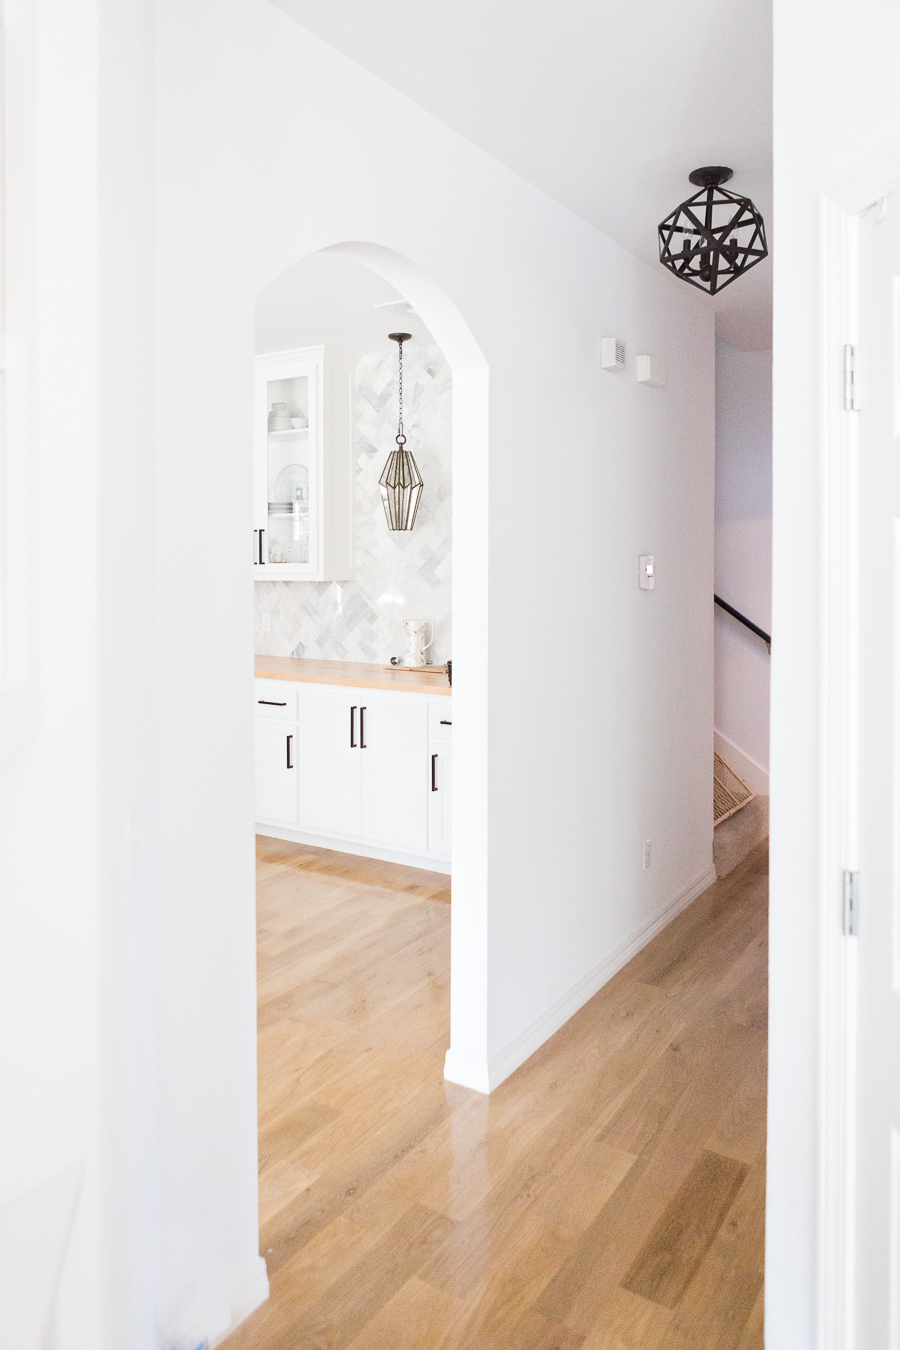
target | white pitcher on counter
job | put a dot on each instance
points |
(416, 646)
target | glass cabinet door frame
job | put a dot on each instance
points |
(284, 366)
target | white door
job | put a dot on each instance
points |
(276, 771)
(331, 796)
(395, 772)
(877, 1262)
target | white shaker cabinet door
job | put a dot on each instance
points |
(395, 772)
(332, 761)
(439, 796)
(276, 771)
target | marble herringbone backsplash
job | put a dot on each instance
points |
(399, 576)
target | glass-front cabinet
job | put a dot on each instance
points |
(303, 526)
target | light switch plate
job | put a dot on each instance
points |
(646, 571)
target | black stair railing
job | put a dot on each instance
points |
(742, 618)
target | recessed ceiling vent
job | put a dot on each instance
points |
(396, 306)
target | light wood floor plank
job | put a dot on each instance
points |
(608, 1196)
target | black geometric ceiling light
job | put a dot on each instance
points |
(713, 237)
(401, 483)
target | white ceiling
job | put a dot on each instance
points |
(606, 106)
(327, 298)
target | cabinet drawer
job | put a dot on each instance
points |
(440, 721)
(276, 699)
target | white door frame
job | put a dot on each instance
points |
(841, 209)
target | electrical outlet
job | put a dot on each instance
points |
(647, 853)
(265, 622)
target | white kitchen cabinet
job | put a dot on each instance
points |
(276, 771)
(331, 777)
(440, 784)
(364, 770)
(394, 759)
(303, 474)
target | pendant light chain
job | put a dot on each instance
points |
(401, 483)
(401, 438)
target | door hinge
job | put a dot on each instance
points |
(851, 904)
(851, 382)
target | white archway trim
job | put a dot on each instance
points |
(467, 1058)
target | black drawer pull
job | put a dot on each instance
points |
(434, 786)
(353, 727)
(270, 703)
(289, 763)
(261, 533)
(362, 729)
(446, 724)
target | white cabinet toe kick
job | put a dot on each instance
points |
(364, 771)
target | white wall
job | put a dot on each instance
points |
(837, 110)
(743, 555)
(596, 698)
(77, 1080)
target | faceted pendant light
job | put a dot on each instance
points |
(401, 483)
(713, 237)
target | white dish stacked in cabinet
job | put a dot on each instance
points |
(365, 771)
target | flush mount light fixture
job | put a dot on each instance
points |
(401, 483)
(713, 237)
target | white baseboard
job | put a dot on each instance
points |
(338, 844)
(467, 1072)
(250, 1292)
(753, 774)
(484, 1077)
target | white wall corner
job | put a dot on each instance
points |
(753, 774)
(484, 1077)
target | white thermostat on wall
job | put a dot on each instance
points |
(650, 371)
(646, 572)
(612, 353)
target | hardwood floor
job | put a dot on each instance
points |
(608, 1196)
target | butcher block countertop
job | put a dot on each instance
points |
(357, 674)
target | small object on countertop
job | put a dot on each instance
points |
(398, 664)
(416, 646)
(450, 673)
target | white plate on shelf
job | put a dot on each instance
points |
(292, 478)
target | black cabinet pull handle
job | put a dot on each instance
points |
(353, 727)
(362, 729)
(289, 764)
(270, 703)
(446, 724)
(261, 533)
(434, 787)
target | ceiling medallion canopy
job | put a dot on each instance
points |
(401, 483)
(715, 236)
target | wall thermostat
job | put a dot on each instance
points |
(646, 572)
(612, 353)
(650, 371)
